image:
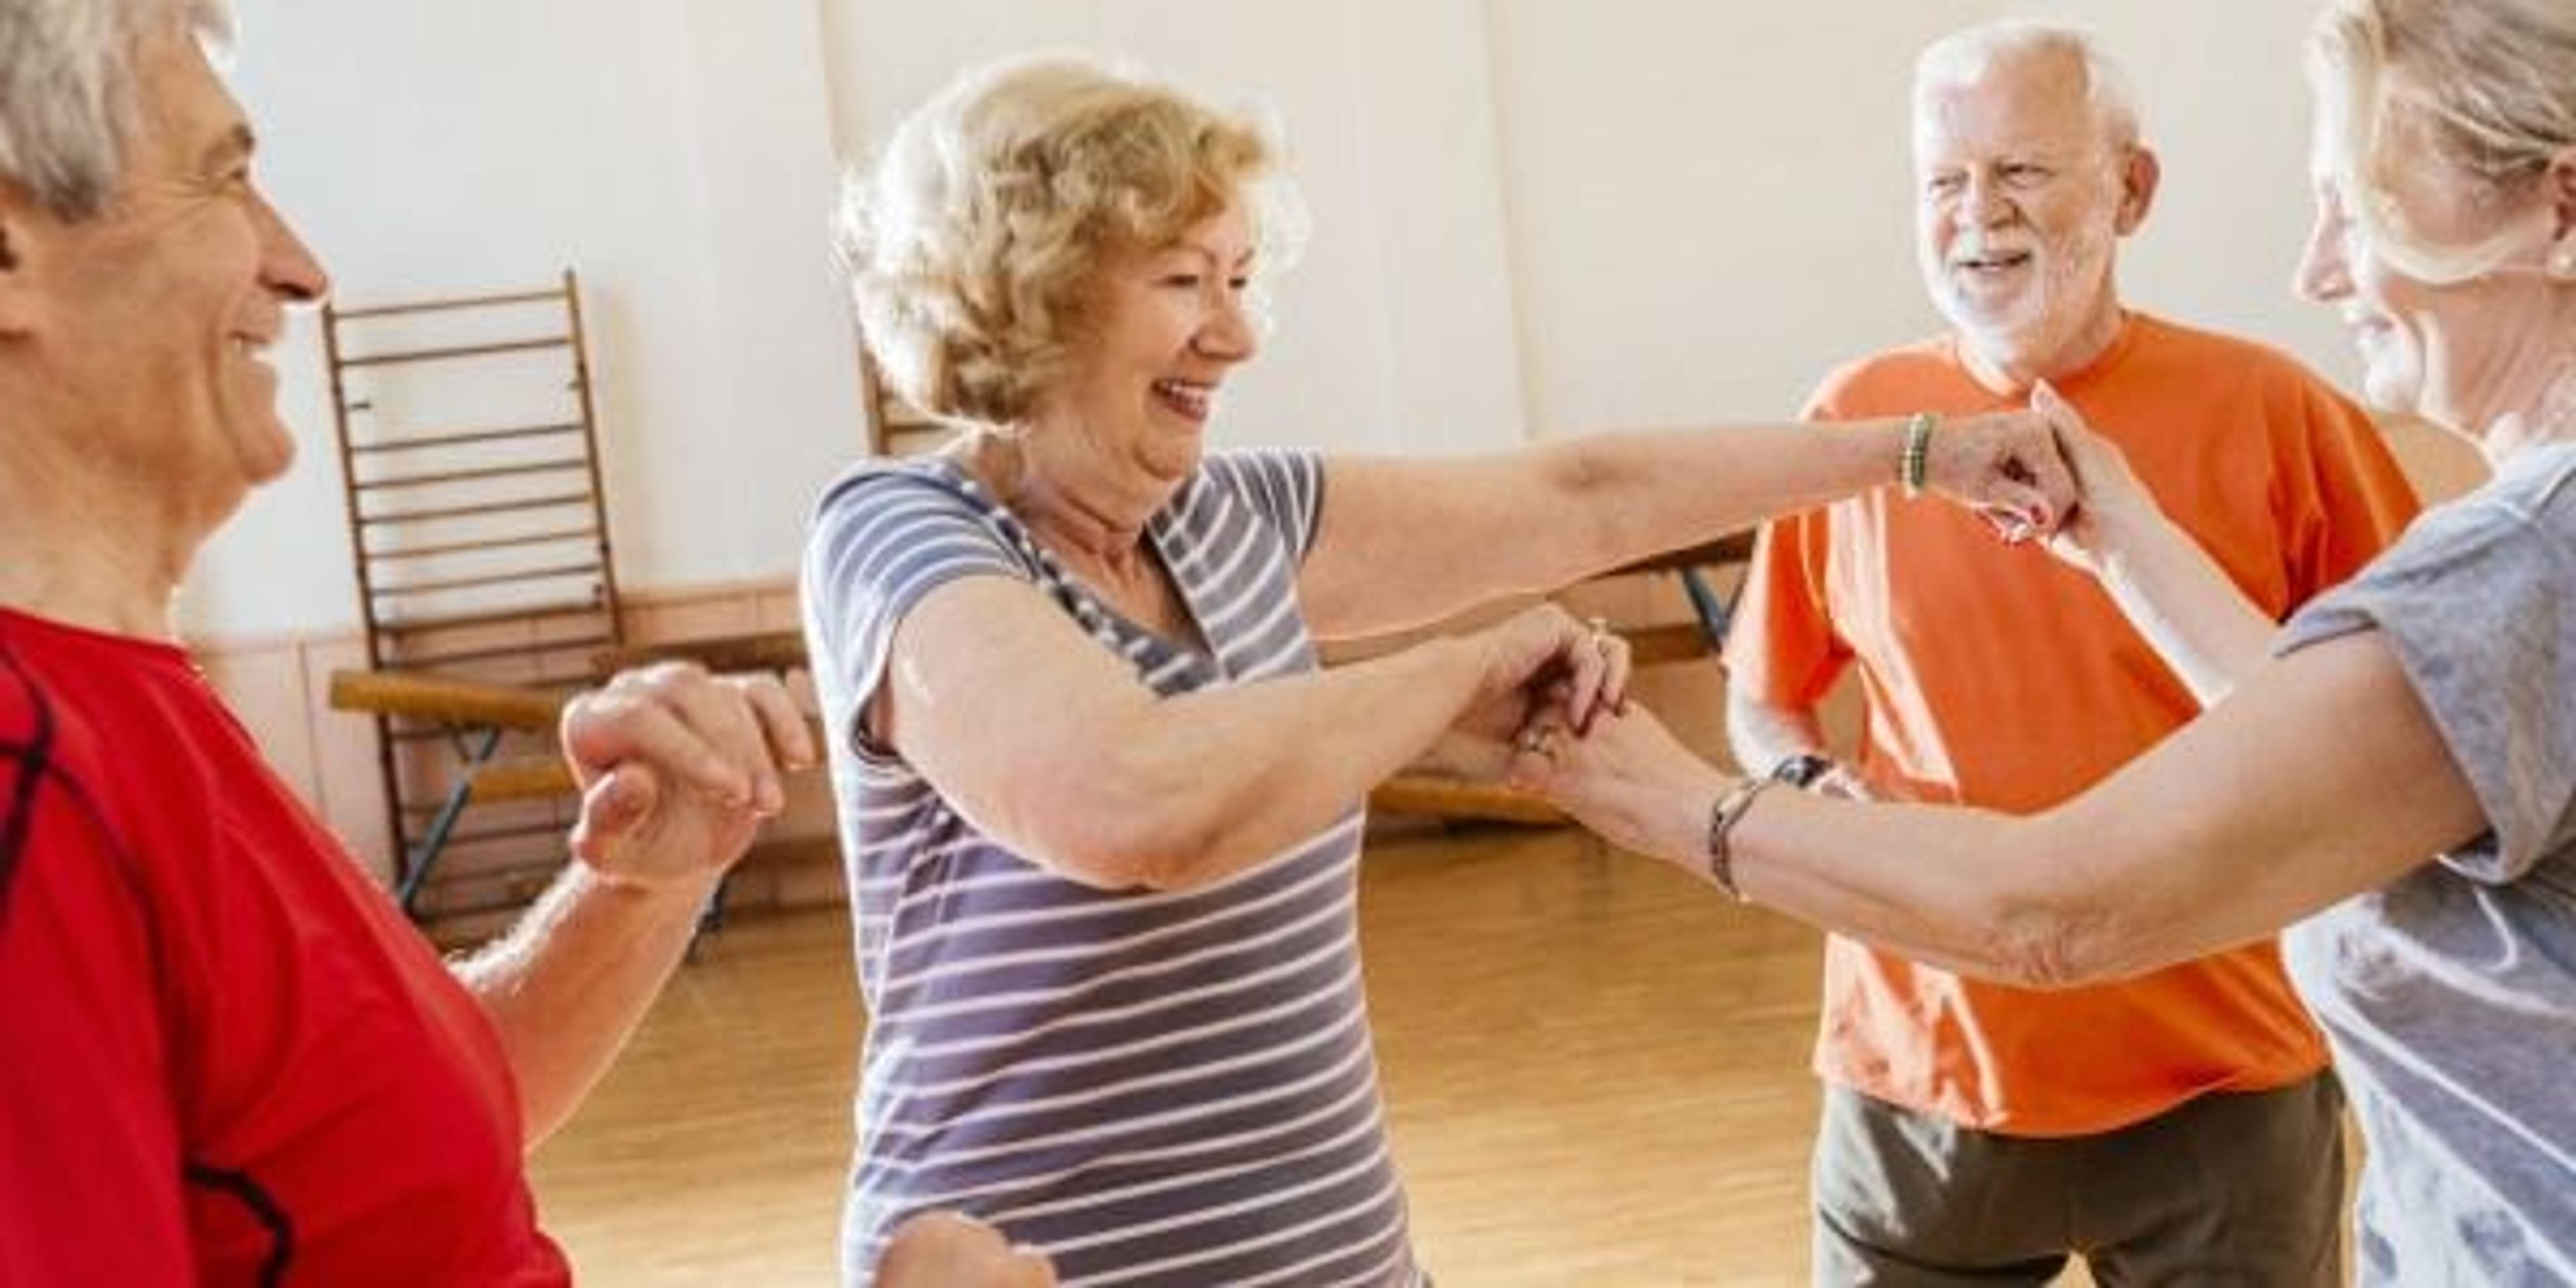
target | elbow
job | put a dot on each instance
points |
(1123, 828)
(1092, 845)
(1156, 855)
(2052, 913)
(2073, 940)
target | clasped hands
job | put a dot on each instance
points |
(2036, 475)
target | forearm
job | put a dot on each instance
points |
(1962, 889)
(1211, 783)
(2187, 609)
(567, 985)
(1403, 543)
(1648, 491)
(2323, 778)
(1950, 887)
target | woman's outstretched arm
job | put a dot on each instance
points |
(2322, 778)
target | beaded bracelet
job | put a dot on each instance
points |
(1916, 460)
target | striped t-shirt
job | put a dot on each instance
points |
(1153, 1088)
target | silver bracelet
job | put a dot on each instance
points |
(1722, 818)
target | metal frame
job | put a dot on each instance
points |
(406, 612)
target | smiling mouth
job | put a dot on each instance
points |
(1189, 398)
(1991, 262)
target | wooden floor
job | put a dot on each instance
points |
(1595, 1070)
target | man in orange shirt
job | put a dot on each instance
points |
(2178, 1127)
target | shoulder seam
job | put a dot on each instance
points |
(38, 770)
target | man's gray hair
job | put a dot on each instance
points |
(1964, 57)
(67, 91)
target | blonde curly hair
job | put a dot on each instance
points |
(972, 245)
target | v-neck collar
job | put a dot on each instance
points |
(1153, 652)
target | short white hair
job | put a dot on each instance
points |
(67, 98)
(1965, 57)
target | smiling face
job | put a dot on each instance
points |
(2466, 354)
(2396, 322)
(1162, 329)
(148, 323)
(2021, 197)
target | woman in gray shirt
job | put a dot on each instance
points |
(2426, 708)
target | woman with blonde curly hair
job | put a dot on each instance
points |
(1101, 807)
(2391, 776)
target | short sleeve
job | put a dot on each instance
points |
(2347, 500)
(2474, 602)
(1284, 485)
(1781, 648)
(881, 542)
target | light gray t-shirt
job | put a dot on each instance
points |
(2449, 996)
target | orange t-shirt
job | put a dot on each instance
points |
(2000, 677)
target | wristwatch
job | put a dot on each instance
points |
(1802, 770)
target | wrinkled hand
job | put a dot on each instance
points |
(2006, 467)
(678, 768)
(1544, 657)
(1628, 779)
(1539, 659)
(2110, 501)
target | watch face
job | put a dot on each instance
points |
(1801, 771)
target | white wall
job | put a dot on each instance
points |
(675, 152)
(1710, 204)
(2226, 104)
(1531, 216)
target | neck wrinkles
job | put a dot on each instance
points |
(2546, 420)
(1074, 501)
(83, 546)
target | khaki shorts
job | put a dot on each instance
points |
(2229, 1188)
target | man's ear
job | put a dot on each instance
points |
(18, 219)
(15, 213)
(2140, 172)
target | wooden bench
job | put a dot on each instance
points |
(478, 714)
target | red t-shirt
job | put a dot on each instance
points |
(224, 1055)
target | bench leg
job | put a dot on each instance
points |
(425, 853)
(1715, 612)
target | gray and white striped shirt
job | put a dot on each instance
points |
(1154, 1088)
